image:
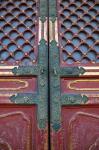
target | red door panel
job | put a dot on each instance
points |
(16, 124)
(23, 75)
(81, 127)
(74, 74)
(87, 87)
(13, 85)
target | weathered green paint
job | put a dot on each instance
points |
(27, 70)
(24, 98)
(72, 71)
(57, 100)
(56, 72)
(41, 71)
(43, 10)
(55, 86)
(52, 10)
(73, 99)
(43, 84)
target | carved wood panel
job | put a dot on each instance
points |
(18, 128)
(86, 87)
(81, 127)
(14, 85)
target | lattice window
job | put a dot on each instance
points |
(18, 31)
(79, 31)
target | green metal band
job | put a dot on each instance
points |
(43, 84)
(58, 100)
(43, 10)
(52, 9)
(72, 71)
(55, 86)
(24, 98)
(73, 99)
(27, 70)
(40, 98)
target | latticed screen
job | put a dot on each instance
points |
(79, 31)
(18, 31)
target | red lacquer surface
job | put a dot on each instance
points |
(12, 85)
(83, 86)
(19, 30)
(81, 127)
(79, 130)
(80, 85)
(78, 47)
(18, 128)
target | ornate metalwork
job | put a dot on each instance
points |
(20, 41)
(43, 10)
(40, 98)
(24, 98)
(73, 99)
(74, 35)
(27, 70)
(56, 72)
(52, 10)
(73, 71)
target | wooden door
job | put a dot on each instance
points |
(23, 75)
(74, 74)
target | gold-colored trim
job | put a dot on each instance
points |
(91, 95)
(6, 73)
(56, 31)
(91, 68)
(6, 95)
(6, 70)
(42, 29)
(45, 30)
(91, 73)
(50, 30)
(13, 80)
(7, 67)
(53, 30)
(82, 89)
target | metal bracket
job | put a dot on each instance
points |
(57, 99)
(43, 10)
(40, 98)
